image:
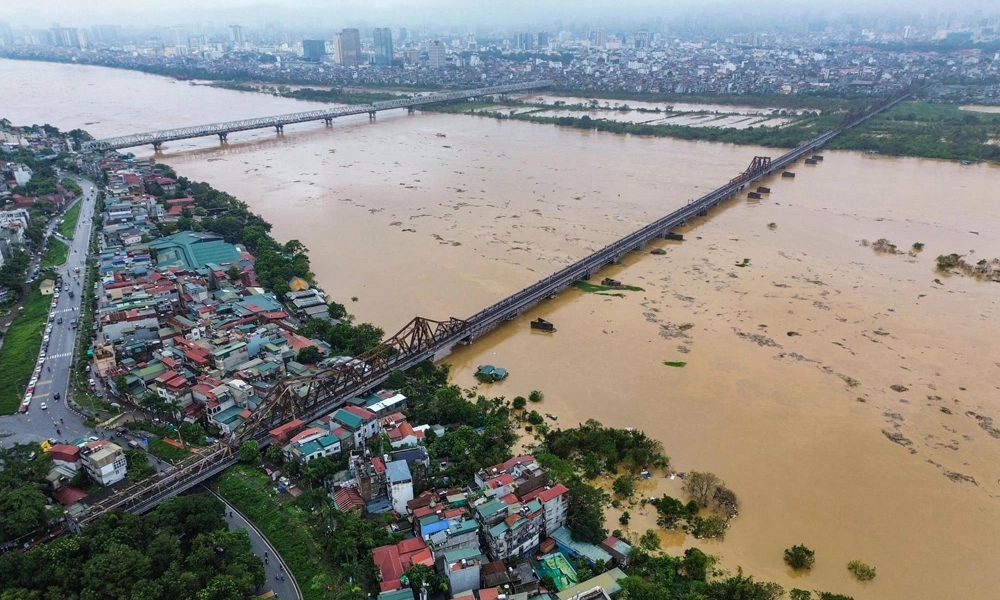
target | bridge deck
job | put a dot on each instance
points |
(142, 497)
(168, 135)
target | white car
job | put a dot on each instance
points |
(33, 381)
(56, 295)
(43, 406)
(45, 339)
(27, 399)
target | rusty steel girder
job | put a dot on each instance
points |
(301, 397)
(758, 165)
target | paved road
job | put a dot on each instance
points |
(282, 589)
(38, 424)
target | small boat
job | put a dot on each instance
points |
(441, 135)
(542, 325)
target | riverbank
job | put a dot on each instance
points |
(331, 95)
(916, 129)
(20, 349)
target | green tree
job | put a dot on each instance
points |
(862, 571)
(273, 453)
(650, 540)
(536, 396)
(192, 433)
(337, 311)
(697, 564)
(418, 575)
(233, 273)
(800, 558)
(585, 516)
(535, 418)
(249, 452)
(519, 403)
(624, 518)
(22, 511)
(798, 594)
(624, 485)
(309, 355)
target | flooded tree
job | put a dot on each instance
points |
(701, 486)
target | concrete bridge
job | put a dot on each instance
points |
(157, 138)
(311, 397)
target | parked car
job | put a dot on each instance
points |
(55, 396)
(133, 444)
(43, 406)
(59, 322)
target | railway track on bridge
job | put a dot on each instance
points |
(311, 397)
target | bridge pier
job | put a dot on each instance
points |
(279, 129)
(156, 147)
(328, 121)
(223, 138)
(371, 115)
(410, 110)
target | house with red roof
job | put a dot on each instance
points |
(394, 560)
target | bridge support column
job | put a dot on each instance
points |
(410, 110)
(328, 121)
(279, 129)
(223, 138)
(156, 147)
(371, 115)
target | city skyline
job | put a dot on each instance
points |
(436, 13)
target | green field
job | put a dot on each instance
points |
(161, 449)
(55, 254)
(20, 350)
(250, 491)
(68, 226)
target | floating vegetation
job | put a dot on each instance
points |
(746, 262)
(658, 251)
(675, 363)
(772, 226)
(918, 246)
(984, 269)
(592, 288)
(883, 245)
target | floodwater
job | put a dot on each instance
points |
(985, 109)
(786, 392)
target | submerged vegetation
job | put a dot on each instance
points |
(983, 269)
(675, 363)
(593, 288)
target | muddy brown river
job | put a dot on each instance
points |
(793, 360)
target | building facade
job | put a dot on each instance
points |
(382, 43)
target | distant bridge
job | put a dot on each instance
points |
(157, 138)
(310, 397)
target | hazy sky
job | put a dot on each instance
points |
(42, 13)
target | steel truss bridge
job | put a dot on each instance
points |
(157, 138)
(308, 398)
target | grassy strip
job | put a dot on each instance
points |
(20, 350)
(68, 226)
(674, 363)
(591, 288)
(250, 491)
(70, 185)
(55, 255)
(161, 449)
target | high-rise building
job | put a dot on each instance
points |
(600, 40)
(402, 34)
(347, 47)
(313, 50)
(236, 35)
(68, 37)
(383, 46)
(6, 35)
(523, 41)
(543, 39)
(436, 57)
(107, 33)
